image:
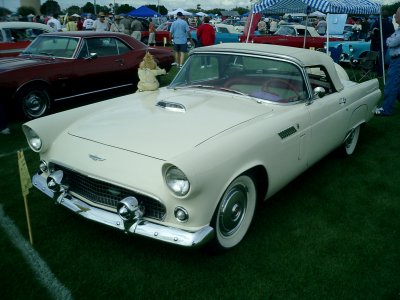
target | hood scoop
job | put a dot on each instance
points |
(171, 106)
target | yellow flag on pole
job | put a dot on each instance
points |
(26, 182)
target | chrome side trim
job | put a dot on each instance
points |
(142, 227)
(93, 92)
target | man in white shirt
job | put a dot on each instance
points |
(100, 24)
(54, 23)
(88, 23)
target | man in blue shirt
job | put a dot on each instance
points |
(179, 33)
(392, 85)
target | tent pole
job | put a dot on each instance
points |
(251, 24)
(382, 53)
(305, 32)
(327, 33)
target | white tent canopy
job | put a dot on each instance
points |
(201, 14)
(184, 12)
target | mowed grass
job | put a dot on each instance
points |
(333, 233)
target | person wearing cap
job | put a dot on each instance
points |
(100, 24)
(117, 26)
(179, 32)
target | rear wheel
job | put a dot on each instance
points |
(351, 141)
(34, 101)
(235, 212)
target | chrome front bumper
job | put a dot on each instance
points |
(141, 227)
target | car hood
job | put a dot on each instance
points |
(142, 124)
(14, 63)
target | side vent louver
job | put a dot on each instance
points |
(287, 132)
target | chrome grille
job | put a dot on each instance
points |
(107, 194)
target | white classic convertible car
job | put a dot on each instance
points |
(186, 164)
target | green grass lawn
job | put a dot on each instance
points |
(333, 233)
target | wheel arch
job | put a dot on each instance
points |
(27, 84)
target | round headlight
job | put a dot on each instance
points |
(34, 140)
(177, 182)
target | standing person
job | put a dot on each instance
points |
(321, 26)
(79, 24)
(179, 32)
(152, 33)
(206, 37)
(273, 26)
(136, 28)
(262, 26)
(71, 25)
(88, 23)
(100, 24)
(392, 85)
(127, 22)
(387, 30)
(54, 23)
(117, 26)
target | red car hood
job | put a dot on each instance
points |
(15, 63)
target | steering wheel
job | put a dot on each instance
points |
(280, 83)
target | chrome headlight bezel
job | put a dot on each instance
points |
(34, 140)
(176, 181)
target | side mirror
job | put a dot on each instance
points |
(319, 92)
(92, 55)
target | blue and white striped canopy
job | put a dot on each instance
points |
(361, 7)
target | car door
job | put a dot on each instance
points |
(329, 117)
(103, 63)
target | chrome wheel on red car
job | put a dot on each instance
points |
(35, 101)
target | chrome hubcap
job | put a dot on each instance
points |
(233, 210)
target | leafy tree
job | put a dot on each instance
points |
(88, 8)
(74, 9)
(4, 11)
(241, 10)
(123, 9)
(26, 10)
(198, 7)
(50, 7)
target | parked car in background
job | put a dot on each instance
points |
(351, 50)
(294, 35)
(188, 163)
(16, 36)
(62, 65)
(223, 34)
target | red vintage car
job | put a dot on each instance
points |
(16, 36)
(59, 66)
(293, 35)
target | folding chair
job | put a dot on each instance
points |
(366, 66)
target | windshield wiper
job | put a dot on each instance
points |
(232, 91)
(194, 86)
(46, 53)
(211, 87)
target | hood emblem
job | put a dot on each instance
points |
(96, 158)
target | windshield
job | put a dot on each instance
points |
(53, 46)
(259, 77)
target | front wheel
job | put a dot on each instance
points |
(351, 141)
(235, 212)
(35, 101)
